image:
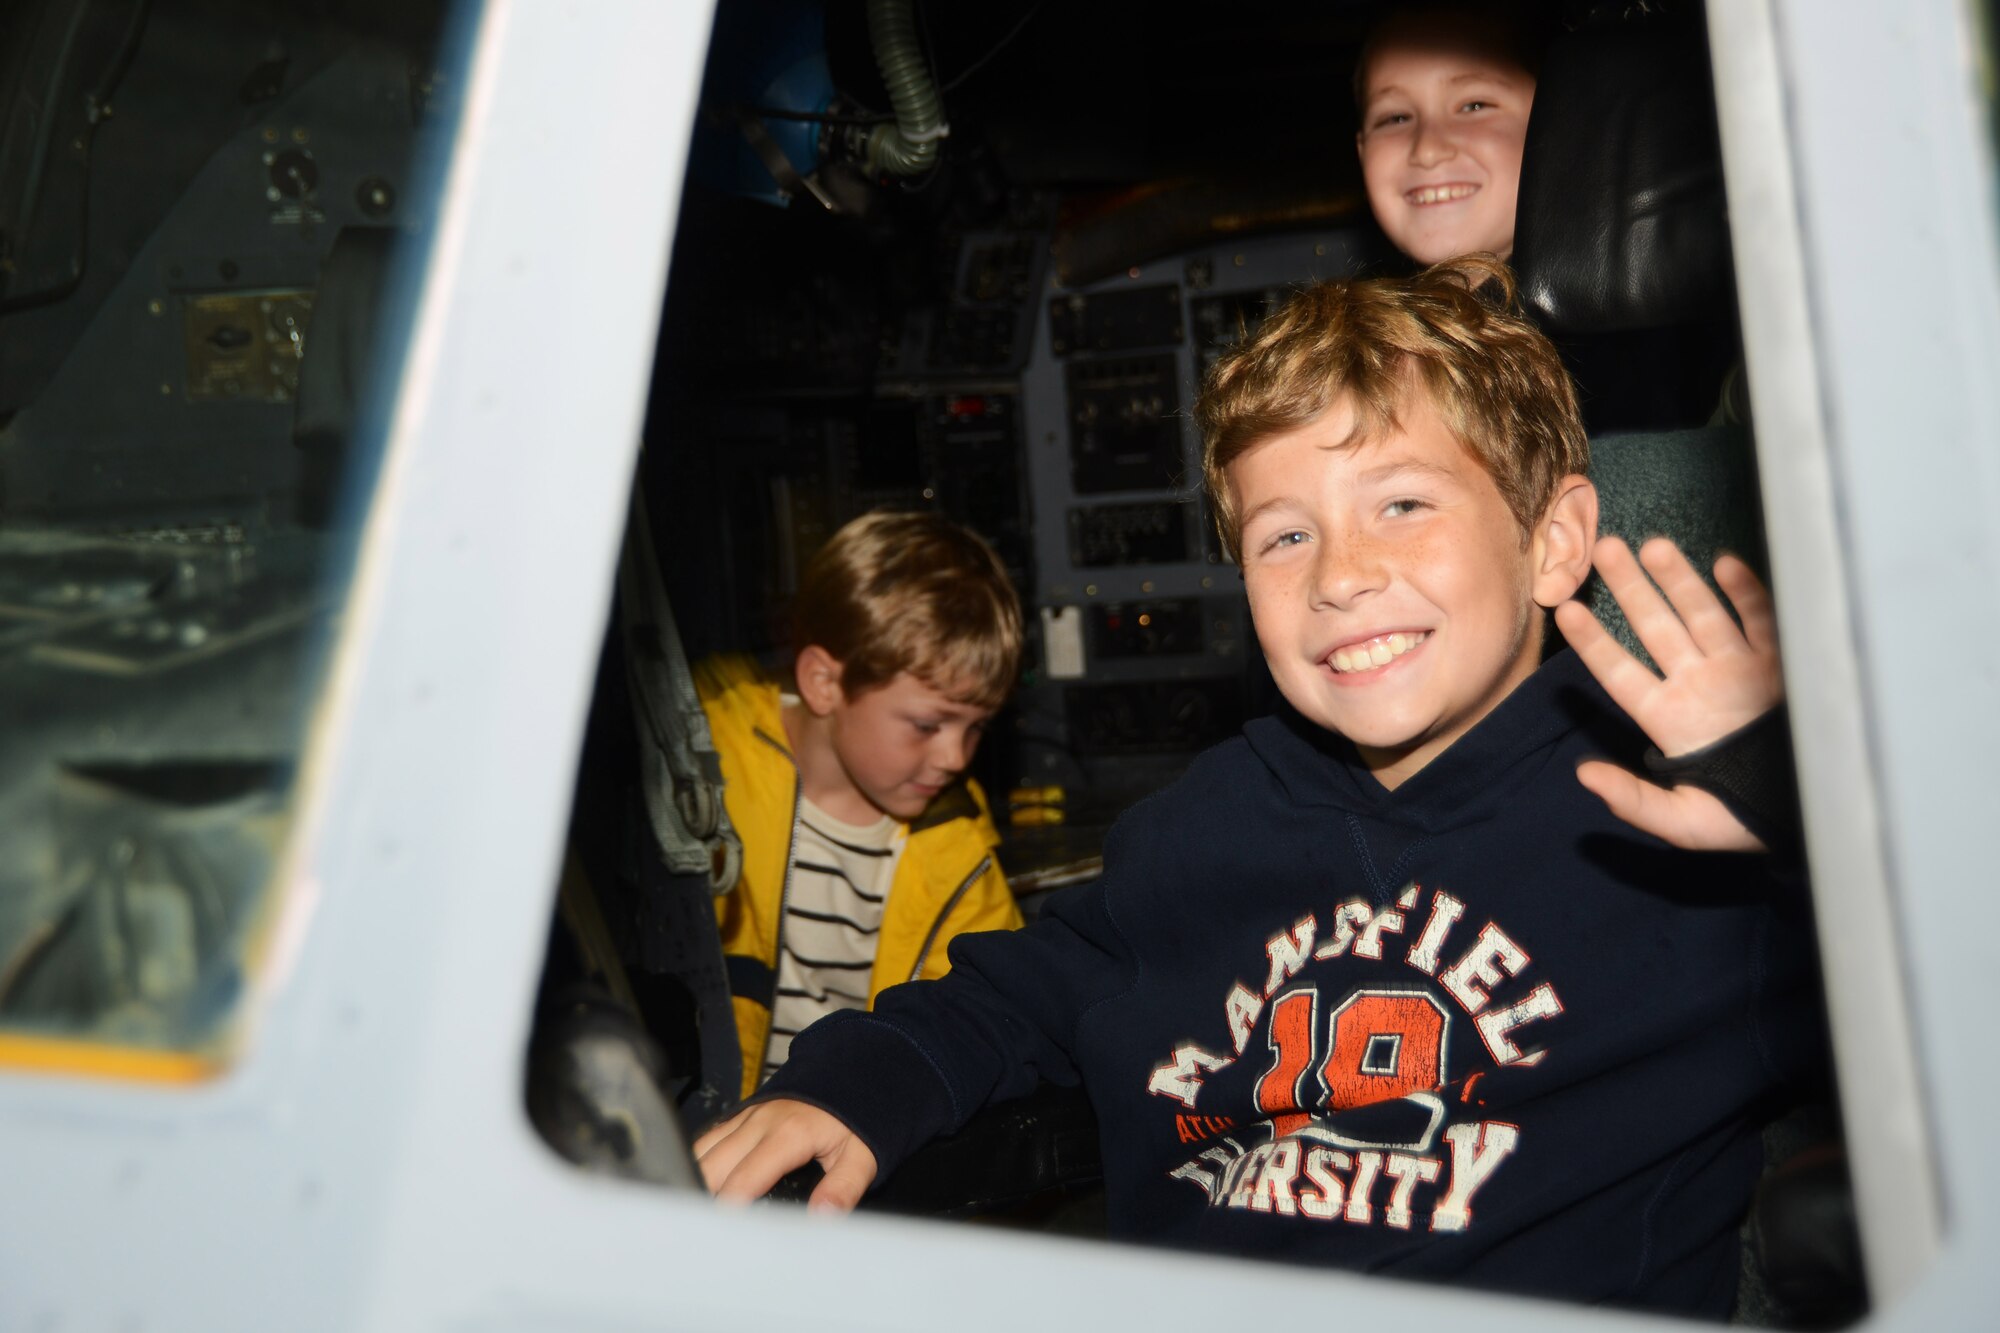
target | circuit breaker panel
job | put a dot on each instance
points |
(1147, 652)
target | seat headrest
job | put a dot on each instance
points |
(1621, 222)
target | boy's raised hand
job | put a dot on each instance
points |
(1716, 679)
(745, 1155)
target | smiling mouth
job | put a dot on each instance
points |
(1373, 654)
(1440, 194)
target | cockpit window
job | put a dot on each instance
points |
(1008, 324)
(212, 215)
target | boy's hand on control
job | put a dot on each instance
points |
(745, 1155)
(1716, 679)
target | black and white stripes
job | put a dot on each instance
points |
(840, 881)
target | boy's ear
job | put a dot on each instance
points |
(818, 675)
(1563, 541)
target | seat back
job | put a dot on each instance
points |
(1622, 244)
(1621, 224)
(1697, 486)
(1621, 238)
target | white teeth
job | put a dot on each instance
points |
(1435, 194)
(1377, 652)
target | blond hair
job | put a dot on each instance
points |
(909, 591)
(1451, 332)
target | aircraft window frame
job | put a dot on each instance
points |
(1800, 459)
(1768, 133)
(372, 1166)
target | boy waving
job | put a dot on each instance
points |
(1381, 983)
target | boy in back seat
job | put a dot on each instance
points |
(1380, 983)
(1443, 91)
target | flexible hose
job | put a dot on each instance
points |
(908, 147)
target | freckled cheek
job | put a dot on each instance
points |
(1463, 579)
(1412, 557)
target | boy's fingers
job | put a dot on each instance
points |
(763, 1166)
(1621, 674)
(776, 1138)
(1685, 817)
(719, 1150)
(848, 1176)
(1708, 624)
(1752, 601)
(715, 1134)
(1631, 798)
(1665, 637)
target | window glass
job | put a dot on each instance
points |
(213, 217)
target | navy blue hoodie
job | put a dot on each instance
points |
(1472, 1027)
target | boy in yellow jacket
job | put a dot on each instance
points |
(865, 847)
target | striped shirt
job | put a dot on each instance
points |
(840, 877)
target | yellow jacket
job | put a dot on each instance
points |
(947, 881)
